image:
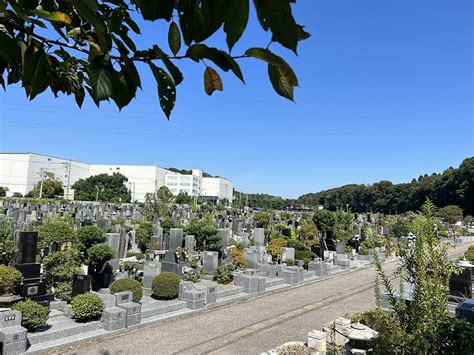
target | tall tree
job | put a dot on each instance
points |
(102, 187)
(48, 187)
(89, 47)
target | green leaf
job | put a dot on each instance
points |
(29, 62)
(121, 92)
(100, 76)
(271, 58)
(200, 51)
(41, 76)
(133, 25)
(212, 81)
(173, 69)
(166, 89)
(276, 15)
(280, 81)
(79, 96)
(131, 75)
(174, 38)
(87, 10)
(236, 18)
(156, 9)
(200, 19)
(9, 48)
(115, 20)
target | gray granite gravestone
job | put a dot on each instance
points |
(210, 260)
(151, 269)
(259, 237)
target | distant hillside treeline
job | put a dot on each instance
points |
(452, 187)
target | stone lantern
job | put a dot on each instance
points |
(359, 336)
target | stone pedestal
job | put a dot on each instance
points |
(12, 334)
(133, 310)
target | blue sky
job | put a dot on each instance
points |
(386, 92)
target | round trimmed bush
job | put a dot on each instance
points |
(165, 285)
(224, 274)
(8, 277)
(33, 315)
(127, 285)
(86, 307)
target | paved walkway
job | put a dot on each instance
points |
(252, 326)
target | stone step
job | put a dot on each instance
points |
(48, 345)
(231, 298)
(62, 327)
(55, 313)
(269, 282)
(224, 292)
(165, 315)
(152, 309)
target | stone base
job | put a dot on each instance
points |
(8, 301)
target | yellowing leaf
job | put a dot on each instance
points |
(212, 81)
(55, 16)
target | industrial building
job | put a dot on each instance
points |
(20, 172)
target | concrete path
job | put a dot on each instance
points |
(251, 326)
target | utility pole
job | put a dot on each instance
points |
(97, 193)
(67, 165)
(42, 175)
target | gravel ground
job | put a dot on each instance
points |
(252, 326)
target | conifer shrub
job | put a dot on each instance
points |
(224, 274)
(127, 285)
(87, 307)
(165, 285)
(33, 315)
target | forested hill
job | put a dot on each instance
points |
(452, 187)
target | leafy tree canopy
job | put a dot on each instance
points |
(51, 188)
(450, 213)
(76, 47)
(104, 187)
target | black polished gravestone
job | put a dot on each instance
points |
(460, 285)
(80, 284)
(31, 285)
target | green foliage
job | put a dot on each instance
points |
(184, 198)
(90, 235)
(127, 285)
(157, 203)
(143, 236)
(59, 230)
(8, 248)
(108, 188)
(139, 256)
(33, 315)
(192, 276)
(260, 201)
(60, 266)
(428, 268)
(324, 220)
(205, 233)
(450, 214)
(100, 254)
(262, 219)
(223, 274)
(452, 187)
(52, 187)
(3, 191)
(165, 285)
(469, 256)
(63, 291)
(304, 255)
(87, 307)
(399, 227)
(343, 228)
(290, 262)
(9, 276)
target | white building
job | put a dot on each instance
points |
(20, 172)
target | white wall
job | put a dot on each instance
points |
(220, 187)
(21, 172)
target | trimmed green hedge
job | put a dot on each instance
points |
(165, 285)
(86, 307)
(127, 285)
(33, 315)
(8, 277)
(224, 274)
